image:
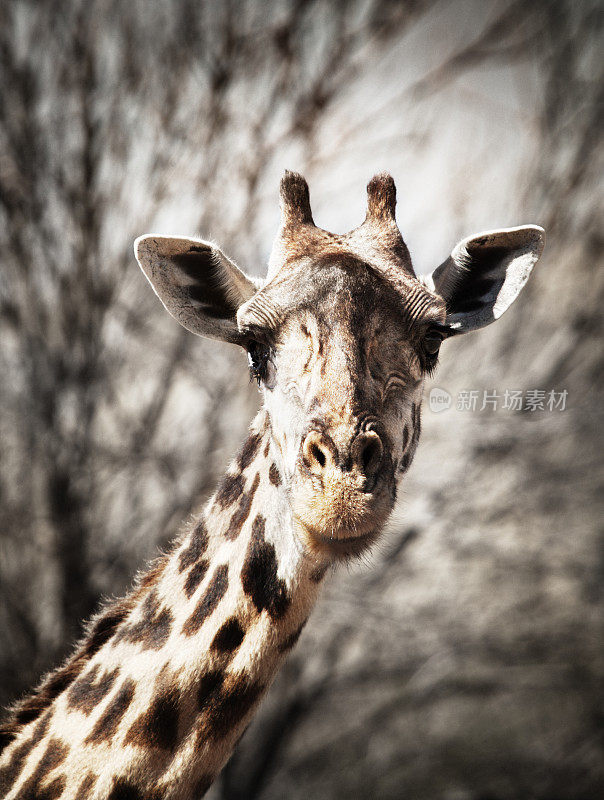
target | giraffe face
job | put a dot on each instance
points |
(340, 336)
(341, 376)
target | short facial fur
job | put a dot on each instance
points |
(340, 337)
(345, 373)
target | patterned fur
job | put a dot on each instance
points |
(340, 337)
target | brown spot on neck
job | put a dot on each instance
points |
(125, 790)
(273, 475)
(195, 576)
(249, 450)
(107, 724)
(230, 490)
(196, 547)
(86, 785)
(88, 691)
(229, 637)
(241, 514)
(259, 574)
(209, 601)
(158, 726)
(153, 629)
(209, 685)
(230, 705)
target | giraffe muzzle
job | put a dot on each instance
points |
(341, 496)
(320, 455)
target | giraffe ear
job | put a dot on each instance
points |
(485, 274)
(197, 284)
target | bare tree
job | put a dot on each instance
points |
(119, 118)
(101, 105)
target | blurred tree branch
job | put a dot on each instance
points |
(116, 118)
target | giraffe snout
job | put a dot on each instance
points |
(363, 458)
(341, 493)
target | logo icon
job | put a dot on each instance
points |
(439, 400)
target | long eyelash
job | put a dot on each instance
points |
(255, 373)
(431, 366)
(258, 357)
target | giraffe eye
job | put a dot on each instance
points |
(432, 342)
(260, 362)
(431, 345)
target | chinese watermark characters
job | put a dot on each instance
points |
(492, 400)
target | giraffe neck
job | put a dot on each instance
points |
(159, 705)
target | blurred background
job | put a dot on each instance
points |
(463, 658)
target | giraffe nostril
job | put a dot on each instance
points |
(367, 451)
(370, 456)
(318, 452)
(318, 455)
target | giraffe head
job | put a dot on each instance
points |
(340, 336)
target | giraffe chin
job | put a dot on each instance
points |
(339, 547)
(339, 525)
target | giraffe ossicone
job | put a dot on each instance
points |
(340, 336)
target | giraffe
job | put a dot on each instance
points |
(339, 336)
